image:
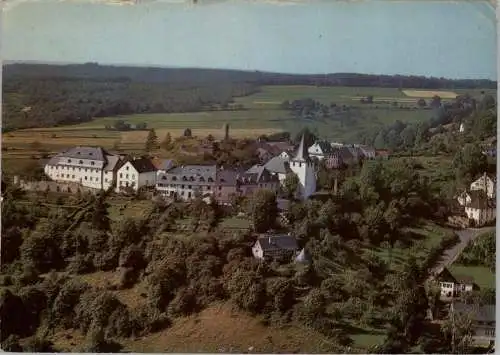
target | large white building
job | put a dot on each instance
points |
(89, 166)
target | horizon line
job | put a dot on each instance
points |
(164, 66)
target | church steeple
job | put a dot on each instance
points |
(302, 153)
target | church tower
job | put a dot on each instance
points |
(303, 166)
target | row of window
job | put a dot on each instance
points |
(126, 175)
(73, 168)
(86, 178)
(191, 178)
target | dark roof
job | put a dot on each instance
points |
(142, 165)
(446, 276)
(195, 174)
(114, 161)
(484, 313)
(326, 148)
(464, 279)
(258, 174)
(271, 241)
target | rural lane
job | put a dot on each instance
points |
(451, 254)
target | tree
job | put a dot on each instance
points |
(291, 185)
(469, 162)
(188, 133)
(167, 141)
(458, 332)
(100, 219)
(151, 141)
(264, 210)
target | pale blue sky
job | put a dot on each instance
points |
(455, 40)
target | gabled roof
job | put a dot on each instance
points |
(303, 257)
(142, 165)
(446, 276)
(277, 165)
(113, 162)
(325, 147)
(273, 241)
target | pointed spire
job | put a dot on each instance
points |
(302, 153)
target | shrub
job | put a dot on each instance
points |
(128, 278)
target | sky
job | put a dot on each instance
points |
(444, 39)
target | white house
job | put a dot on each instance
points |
(270, 246)
(320, 149)
(136, 173)
(486, 183)
(89, 166)
(453, 285)
(480, 209)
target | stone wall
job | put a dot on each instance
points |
(52, 186)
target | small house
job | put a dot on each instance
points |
(136, 173)
(454, 285)
(485, 183)
(272, 246)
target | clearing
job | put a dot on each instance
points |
(428, 94)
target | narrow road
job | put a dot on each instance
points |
(450, 255)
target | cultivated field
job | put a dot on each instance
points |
(427, 94)
(262, 114)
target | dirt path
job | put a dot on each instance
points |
(451, 254)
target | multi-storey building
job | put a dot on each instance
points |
(89, 166)
(136, 173)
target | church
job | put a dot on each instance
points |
(300, 163)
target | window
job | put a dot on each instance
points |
(208, 187)
(121, 175)
(164, 177)
(174, 178)
(73, 168)
(67, 176)
(189, 186)
(189, 194)
(85, 178)
(69, 160)
(182, 186)
(126, 176)
(86, 170)
(126, 168)
(73, 176)
(92, 163)
(81, 161)
(133, 176)
(220, 187)
(105, 180)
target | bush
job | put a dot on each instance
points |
(79, 264)
(147, 319)
(128, 278)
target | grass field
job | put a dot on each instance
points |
(427, 94)
(425, 236)
(482, 275)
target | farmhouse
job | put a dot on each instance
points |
(270, 246)
(483, 320)
(453, 286)
(320, 150)
(136, 173)
(91, 167)
(481, 209)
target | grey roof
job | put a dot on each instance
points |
(91, 153)
(356, 152)
(270, 241)
(302, 153)
(194, 174)
(257, 175)
(227, 177)
(344, 152)
(485, 313)
(278, 165)
(143, 165)
(113, 161)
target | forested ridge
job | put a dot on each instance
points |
(42, 95)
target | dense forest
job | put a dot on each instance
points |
(38, 95)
